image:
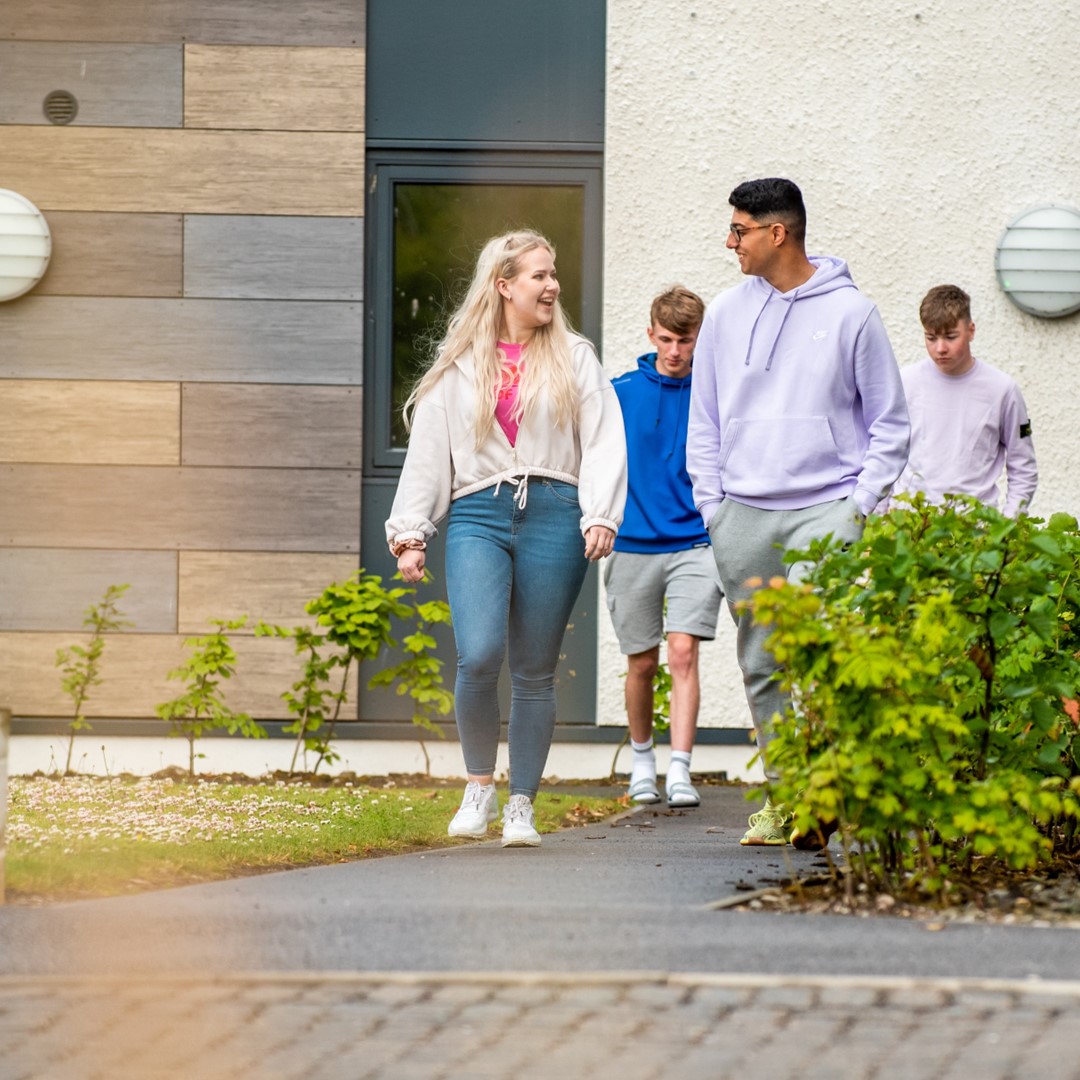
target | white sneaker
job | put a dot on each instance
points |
(519, 828)
(479, 807)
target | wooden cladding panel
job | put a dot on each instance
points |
(134, 670)
(267, 586)
(114, 85)
(273, 89)
(284, 258)
(263, 341)
(101, 423)
(315, 427)
(114, 255)
(239, 22)
(51, 588)
(186, 171)
(156, 508)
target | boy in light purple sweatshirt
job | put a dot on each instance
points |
(798, 428)
(969, 421)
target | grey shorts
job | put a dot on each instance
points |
(638, 585)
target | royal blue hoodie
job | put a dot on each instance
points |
(797, 398)
(660, 513)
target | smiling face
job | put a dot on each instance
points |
(674, 352)
(528, 299)
(753, 242)
(950, 348)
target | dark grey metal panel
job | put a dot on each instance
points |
(271, 426)
(160, 508)
(486, 71)
(266, 257)
(114, 85)
(51, 588)
(310, 342)
(227, 22)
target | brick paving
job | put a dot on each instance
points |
(536, 1027)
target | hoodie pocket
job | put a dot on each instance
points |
(780, 457)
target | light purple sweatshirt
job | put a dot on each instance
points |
(796, 399)
(965, 429)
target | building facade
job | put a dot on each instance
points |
(198, 399)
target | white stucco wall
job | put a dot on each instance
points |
(916, 131)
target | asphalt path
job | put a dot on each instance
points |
(631, 895)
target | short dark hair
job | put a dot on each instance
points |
(943, 307)
(678, 310)
(774, 198)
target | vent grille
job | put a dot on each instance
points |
(61, 107)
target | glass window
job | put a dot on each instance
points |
(438, 232)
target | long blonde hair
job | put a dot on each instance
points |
(475, 327)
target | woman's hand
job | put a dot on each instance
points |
(599, 542)
(410, 564)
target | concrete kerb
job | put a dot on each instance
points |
(888, 984)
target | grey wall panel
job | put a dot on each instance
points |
(89, 422)
(311, 342)
(134, 676)
(273, 586)
(265, 257)
(51, 588)
(237, 22)
(273, 88)
(271, 426)
(114, 85)
(160, 508)
(185, 170)
(114, 255)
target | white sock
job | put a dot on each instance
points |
(644, 761)
(679, 768)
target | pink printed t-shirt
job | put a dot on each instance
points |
(507, 393)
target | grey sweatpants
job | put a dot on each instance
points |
(748, 543)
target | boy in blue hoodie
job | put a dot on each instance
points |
(662, 551)
(798, 428)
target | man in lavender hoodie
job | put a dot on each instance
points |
(798, 428)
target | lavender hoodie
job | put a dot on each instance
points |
(796, 399)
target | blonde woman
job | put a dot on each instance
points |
(516, 433)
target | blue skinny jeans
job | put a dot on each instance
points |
(515, 562)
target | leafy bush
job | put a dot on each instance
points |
(356, 619)
(81, 667)
(933, 670)
(202, 706)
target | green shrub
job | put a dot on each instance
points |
(202, 706)
(355, 620)
(930, 669)
(81, 666)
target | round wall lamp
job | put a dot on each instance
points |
(1038, 261)
(25, 245)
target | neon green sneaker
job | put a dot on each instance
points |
(768, 827)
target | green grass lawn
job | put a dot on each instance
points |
(80, 837)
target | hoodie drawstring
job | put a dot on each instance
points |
(521, 483)
(788, 302)
(788, 305)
